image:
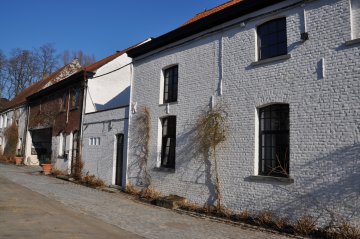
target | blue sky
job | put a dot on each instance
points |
(98, 27)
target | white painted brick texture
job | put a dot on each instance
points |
(324, 115)
(99, 160)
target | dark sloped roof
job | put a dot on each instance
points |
(203, 21)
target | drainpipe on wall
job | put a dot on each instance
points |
(26, 128)
(125, 176)
(83, 108)
(68, 107)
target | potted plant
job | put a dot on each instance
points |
(46, 166)
(19, 159)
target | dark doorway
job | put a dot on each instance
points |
(119, 158)
(41, 144)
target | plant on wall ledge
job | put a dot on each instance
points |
(142, 137)
(211, 131)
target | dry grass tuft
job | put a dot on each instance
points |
(347, 231)
(188, 206)
(264, 218)
(305, 225)
(92, 181)
(281, 223)
(132, 189)
(57, 172)
(244, 215)
(150, 193)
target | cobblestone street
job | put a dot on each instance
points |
(119, 210)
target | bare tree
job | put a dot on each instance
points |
(47, 58)
(25, 67)
(2, 73)
(65, 57)
(83, 58)
(22, 71)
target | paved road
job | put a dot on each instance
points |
(26, 214)
(123, 215)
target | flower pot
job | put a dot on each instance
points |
(18, 160)
(46, 168)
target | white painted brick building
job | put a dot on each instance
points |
(105, 122)
(317, 78)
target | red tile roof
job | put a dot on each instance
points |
(98, 64)
(104, 61)
(212, 11)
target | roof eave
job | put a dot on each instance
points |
(228, 14)
(61, 84)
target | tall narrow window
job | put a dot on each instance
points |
(170, 84)
(272, 39)
(62, 102)
(274, 140)
(168, 142)
(75, 98)
(61, 151)
(355, 18)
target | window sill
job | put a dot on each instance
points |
(272, 59)
(269, 179)
(352, 42)
(170, 103)
(166, 170)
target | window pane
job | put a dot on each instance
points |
(272, 38)
(170, 84)
(274, 143)
(168, 142)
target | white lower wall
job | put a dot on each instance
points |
(100, 160)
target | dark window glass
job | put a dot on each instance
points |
(168, 142)
(274, 140)
(170, 84)
(272, 38)
(75, 98)
(62, 102)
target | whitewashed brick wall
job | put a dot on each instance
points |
(324, 115)
(355, 6)
(100, 160)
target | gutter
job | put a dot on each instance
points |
(83, 108)
(240, 9)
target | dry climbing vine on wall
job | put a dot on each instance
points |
(211, 131)
(11, 138)
(142, 137)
